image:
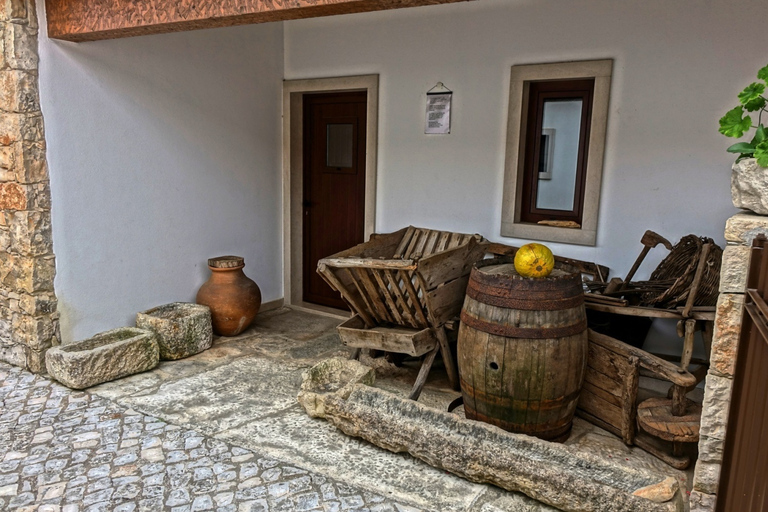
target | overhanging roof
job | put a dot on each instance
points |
(90, 20)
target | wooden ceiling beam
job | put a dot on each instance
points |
(90, 20)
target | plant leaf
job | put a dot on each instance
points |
(755, 104)
(761, 154)
(734, 123)
(761, 134)
(763, 74)
(744, 148)
(751, 93)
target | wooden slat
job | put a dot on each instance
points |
(414, 297)
(412, 245)
(406, 240)
(450, 264)
(429, 247)
(374, 297)
(394, 264)
(413, 342)
(422, 242)
(445, 304)
(351, 299)
(387, 294)
(90, 20)
(603, 394)
(395, 288)
(595, 405)
(650, 312)
(366, 301)
(442, 242)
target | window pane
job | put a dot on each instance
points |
(339, 146)
(559, 154)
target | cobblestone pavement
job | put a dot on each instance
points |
(69, 451)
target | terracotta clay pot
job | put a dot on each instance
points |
(234, 299)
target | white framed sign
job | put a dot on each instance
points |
(438, 118)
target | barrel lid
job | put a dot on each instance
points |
(508, 269)
(226, 262)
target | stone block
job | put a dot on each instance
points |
(733, 272)
(36, 360)
(13, 196)
(14, 10)
(749, 189)
(711, 449)
(7, 163)
(18, 91)
(702, 502)
(706, 477)
(106, 356)
(725, 339)
(183, 329)
(21, 127)
(15, 354)
(743, 227)
(38, 304)
(30, 232)
(30, 163)
(27, 274)
(20, 46)
(35, 332)
(716, 404)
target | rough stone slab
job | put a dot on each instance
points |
(743, 227)
(749, 186)
(661, 492)
(706, 477)
(710, 449)
(725, 340)
(106, 356)
(20, 45)
(733, 272)
(547, 472)
(702, 502)
(18, 91)
(717, 401)
(183, 329)
(334, 375)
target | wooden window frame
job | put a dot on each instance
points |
(515, 223)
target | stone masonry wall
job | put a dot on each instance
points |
(28, 318)
(740, 230)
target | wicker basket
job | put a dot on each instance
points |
(679, 268)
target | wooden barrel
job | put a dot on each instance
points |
(522, 349)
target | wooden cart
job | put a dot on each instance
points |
(403, 288)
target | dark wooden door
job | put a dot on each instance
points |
(334, 184)
(744, 478)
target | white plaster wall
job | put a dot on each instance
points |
(677, 69)
(163, 151)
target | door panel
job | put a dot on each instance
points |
(334, 184)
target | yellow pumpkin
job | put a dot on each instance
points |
(534, 260)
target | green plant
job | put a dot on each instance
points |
(739, 120)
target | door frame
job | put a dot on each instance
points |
(293, 173)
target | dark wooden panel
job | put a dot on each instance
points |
(90, 20)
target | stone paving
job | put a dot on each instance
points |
(71, 451)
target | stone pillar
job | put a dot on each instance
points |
(28, 317)
(740, 230)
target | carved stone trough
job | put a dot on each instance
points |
(339, 390)
(183, 329)
(106, 356)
